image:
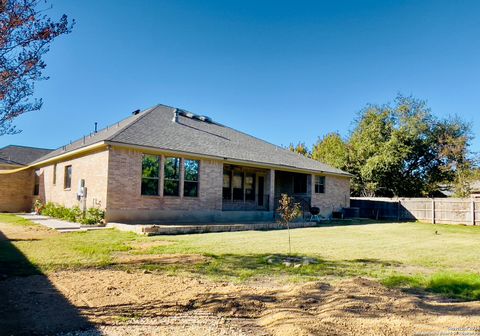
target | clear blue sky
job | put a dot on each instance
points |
(282, 71)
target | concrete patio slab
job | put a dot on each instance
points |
(58, 224)
(174, 229)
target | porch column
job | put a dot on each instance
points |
(162, 175)
(312, 188)
(271, 193)
(182, 177)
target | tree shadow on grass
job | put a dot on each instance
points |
(29, 303)
(243, 267)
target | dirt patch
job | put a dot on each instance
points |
(166, 259)
(351, 307)
(146, 245)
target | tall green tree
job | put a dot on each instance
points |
(400, 149)
(299, 148)
(331, 149)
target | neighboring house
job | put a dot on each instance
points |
(168, 165)
(12, 156)
(16, 190)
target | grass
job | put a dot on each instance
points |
(15, 220)
(438, 258)
(457, 286)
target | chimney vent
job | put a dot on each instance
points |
(96, 124)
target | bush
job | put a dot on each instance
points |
(75, 214)
(93, 216)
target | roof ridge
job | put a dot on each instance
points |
(128, 125)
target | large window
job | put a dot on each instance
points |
(150, 174)
(36, 188)
(172, 176)
(249, 187)
(190, 184)
(67, 178)
(227, 184)
(319, 184)
(237, 183)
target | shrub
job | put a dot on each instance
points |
(75, 214)
(93, 216)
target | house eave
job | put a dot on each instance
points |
(149, 149)
(59, 157)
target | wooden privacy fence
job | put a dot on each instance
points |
(434, 210)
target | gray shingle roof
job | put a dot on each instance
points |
(21, 155)
(154, 128)
(93, 138)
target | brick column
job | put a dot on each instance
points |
(312, 189)
(271, 197)
(182, 176)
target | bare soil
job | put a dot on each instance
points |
(122, 303)
(165, 259)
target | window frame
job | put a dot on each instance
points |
(175, 180)
(54, 178)
(321, 186)
(250, 197)
(67, 177)
(36, 184)
(227, 191)
(157, 178)
(185, 181)
(238, 194)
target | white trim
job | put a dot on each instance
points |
(71, 153)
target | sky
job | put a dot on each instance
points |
(284, 71)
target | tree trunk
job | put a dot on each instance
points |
(289, 243)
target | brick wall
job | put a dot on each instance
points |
(16, 191)
(113, 179)
(93, 168)
(124, 189)
(336, 196)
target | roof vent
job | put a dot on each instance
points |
(190, 115)
(175, 115)
(136, 112)
(205, 118)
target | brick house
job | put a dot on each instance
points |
(168, 165)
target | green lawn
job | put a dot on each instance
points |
(414, 255)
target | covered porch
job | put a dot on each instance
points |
(258, 189)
